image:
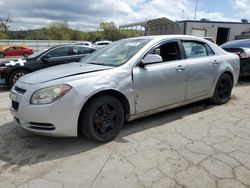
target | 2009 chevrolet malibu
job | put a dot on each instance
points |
(128, 79)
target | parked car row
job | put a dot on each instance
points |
(25, 51)
(12, 70)
(129, 79)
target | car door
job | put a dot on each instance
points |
(18, 51)
(201, 64)
(78, 52)
(57, 56)
(10, 51)
(161, 84)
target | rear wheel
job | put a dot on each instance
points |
(14, 76)
(223, 89)
(102, 118)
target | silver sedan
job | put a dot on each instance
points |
(128, 79)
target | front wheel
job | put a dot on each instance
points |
(223, 89)
(14, 76)
(102, 118)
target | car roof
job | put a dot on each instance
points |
(69, 44)
(237, 44)
(102, 41)
(164, 37)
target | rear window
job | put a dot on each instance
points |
(194, 49)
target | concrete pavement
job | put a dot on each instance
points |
(199, 145)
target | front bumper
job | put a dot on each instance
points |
(57, 119)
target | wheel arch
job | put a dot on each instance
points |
(13, 70)
(230, 74)
(120, 96)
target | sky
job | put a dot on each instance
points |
(86, 15)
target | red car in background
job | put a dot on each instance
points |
(16, 51)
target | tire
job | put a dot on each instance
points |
(2, 55)
(25, 54)
(102, 118)
(15, 75)
(223, 89)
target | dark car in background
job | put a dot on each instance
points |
(12, 70)
(16, 51)
(242, 49)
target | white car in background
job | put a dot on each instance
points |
(84, 43)
(100, 44)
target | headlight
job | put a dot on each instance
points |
(49, 94)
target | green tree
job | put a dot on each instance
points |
(110, 31)
(5, 24)
(76, 35)
(3, 35)
(59, 31)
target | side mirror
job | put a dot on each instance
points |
(149, 59)
(45, 57)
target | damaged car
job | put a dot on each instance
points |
(126, 80)
(242, 49)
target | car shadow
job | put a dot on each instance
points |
(4, 88)
(244, 81)
(19, 147)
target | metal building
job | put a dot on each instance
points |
(159, 26)
(220, 31)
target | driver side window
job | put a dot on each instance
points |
(58, 52)
(168, 51)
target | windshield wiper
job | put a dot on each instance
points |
(101, 64)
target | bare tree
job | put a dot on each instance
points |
(5, 23)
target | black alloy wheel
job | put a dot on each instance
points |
(223, 89)
(102, 118)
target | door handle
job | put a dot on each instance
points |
(215, 62)
(180, 68)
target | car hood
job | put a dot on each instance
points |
(10, 62)
(61, 71)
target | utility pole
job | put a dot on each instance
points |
(196, 2)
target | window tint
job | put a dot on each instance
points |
(194, 49)
(11, 48)
(18, 48)
(103, 43)
(77, 50)
(209, 50)
(168, 51)
(58, 52)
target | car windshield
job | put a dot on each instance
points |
(116, 53)
(37, 53)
